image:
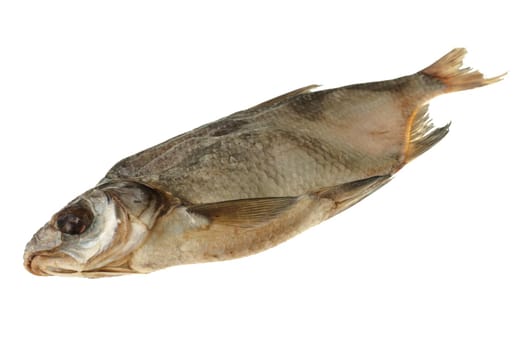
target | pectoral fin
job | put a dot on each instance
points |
(244, 212)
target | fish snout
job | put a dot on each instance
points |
(42, 243)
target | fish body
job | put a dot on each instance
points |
(249, 181)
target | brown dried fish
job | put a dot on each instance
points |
(249, 181)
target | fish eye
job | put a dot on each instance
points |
(74, 220)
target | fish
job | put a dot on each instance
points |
(247, 182)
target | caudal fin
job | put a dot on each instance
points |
(448, 70)
(421, 134)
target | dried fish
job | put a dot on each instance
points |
(249, 181)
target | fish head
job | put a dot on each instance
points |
(95, 234)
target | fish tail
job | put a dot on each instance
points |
(421, 134)
(449, 72)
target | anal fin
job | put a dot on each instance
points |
(422, 134)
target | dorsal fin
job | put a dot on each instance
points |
(286, 96)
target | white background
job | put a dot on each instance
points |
(434, 260)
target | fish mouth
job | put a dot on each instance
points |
(28, 264)
(31, 263)
(42, 264)
(45, 264)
